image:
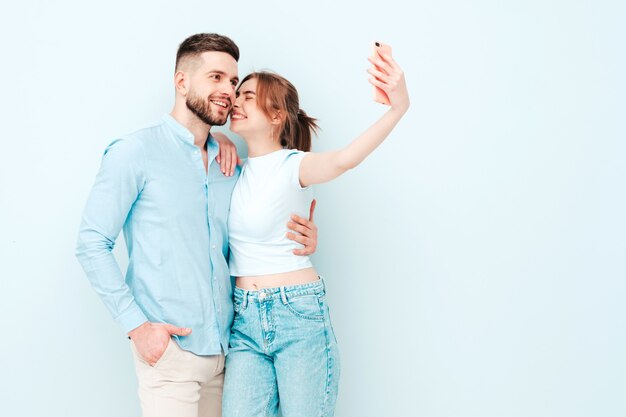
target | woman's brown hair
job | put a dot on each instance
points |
(276, 94)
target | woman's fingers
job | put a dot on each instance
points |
(376, 83)
(387, 72)
(228, 159)
(388, 60)
(387, 83)
(224, 159)
(381, 76)
(227, 156)
(380, 64)
(229, 166)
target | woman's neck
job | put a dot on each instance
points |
(261, 146)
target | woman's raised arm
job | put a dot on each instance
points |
(317, 168)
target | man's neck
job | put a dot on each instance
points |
(197, 127)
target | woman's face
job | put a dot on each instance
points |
(246, 119)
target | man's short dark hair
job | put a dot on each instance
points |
(206, 42)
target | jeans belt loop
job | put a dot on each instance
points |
(244, 303)
(283, 296)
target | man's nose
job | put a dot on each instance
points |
(227, 89)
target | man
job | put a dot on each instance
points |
(164, 187)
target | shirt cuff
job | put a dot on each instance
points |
(132, 318)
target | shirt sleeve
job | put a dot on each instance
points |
(118, 184)
(292, 164)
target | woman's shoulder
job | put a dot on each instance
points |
(291, 153)
(290, 157)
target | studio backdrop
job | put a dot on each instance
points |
(475, 263)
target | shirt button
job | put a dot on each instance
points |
(213, 246)
(195, 152)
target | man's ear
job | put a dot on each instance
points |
(181, 82)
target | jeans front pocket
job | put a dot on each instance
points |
(237, 306)
(306, 307)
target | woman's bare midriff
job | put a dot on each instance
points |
(284, 279)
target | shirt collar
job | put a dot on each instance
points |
(182, 133)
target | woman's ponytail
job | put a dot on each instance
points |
(305, 127)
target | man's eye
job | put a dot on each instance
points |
(216, 77)
(234, 83)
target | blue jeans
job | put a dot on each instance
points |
(282, 346)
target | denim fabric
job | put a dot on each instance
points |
(282, 346)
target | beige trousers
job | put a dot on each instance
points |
(180, 384)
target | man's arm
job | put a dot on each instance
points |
(118, 184)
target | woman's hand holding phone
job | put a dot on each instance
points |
(388, 79)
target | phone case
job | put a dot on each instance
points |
(379, 95)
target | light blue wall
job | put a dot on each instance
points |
(476, 263)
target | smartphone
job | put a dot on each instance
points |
(379, 95)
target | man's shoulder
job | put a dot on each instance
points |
(137, 141)
(146, 132)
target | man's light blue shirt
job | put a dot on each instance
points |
(152, 183)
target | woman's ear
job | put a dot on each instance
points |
(277, 118)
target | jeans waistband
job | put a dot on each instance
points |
(311, 288)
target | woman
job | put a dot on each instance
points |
(282, 342)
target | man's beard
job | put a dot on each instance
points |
(202, 109)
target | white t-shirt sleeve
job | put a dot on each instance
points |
(292, 167)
